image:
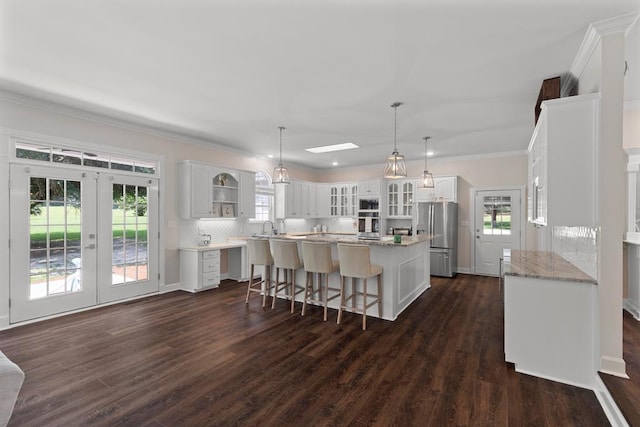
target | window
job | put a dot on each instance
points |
(47, 153)
(497, 215)
(264, 197)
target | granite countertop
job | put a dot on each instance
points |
(544, 265)
(226, 245)
(352, 238)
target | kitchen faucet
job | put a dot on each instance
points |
(272, 226)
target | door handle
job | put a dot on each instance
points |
(91, 246)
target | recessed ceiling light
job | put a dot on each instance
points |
(270, 156)
(335, 147)
(335, 163)
(430, 153)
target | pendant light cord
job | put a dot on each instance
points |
(395, 106)
(426, 138)
(281, 129)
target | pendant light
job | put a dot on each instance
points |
(280, 174)
(395, 166)
(426, 179)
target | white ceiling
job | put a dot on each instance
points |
(230, 72)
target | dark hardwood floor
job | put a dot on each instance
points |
(626, 392)
(208, 359)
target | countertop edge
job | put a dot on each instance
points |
(546, 266)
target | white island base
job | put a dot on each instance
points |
(405, 274)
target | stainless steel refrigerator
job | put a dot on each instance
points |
(440, 219)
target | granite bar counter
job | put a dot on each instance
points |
(544, 265)
(405, 268)
(550, 322)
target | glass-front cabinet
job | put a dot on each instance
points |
(400, 198)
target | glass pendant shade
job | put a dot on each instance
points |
(395, 167)
(280, 174)
(426, 179)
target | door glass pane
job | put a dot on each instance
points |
(129, 230)
(54, 237)
(497, 215)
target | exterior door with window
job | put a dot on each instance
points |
(127, 255)
(497, 227)
(53, 241)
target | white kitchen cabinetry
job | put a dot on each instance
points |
(549, 329)
(323, 209)
(208, 191)
(445, 190)
(353, 205)
(247, 200)
(309, 202)
(199, 269)
(369, 188)
(562, 163)
(196, 196)
(341, 200)
(296, 200)
(345, 200)
(400, 198)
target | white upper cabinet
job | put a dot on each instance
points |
(369, 188)
(247, 201)
(297, 200)
(208, 191)
(323, 209)
(562, 163)
(196, 190)
(400, 198)
(445, 190)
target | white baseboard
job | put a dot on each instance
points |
(4, 322)
(632, 308)
(463, 270)
(609, 406)
(615, 366)
(176, 286)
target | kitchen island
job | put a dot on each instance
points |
(405, 267)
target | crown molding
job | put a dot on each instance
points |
(595, 32)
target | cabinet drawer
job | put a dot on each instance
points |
(210, 265)
(210, 255)
(210, 279)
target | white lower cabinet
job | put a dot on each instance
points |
(199, 269)
(549, 329)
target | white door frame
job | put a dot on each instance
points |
(8, 138)
(472, 217)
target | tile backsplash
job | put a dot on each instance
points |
(221, 229)
(579, 246)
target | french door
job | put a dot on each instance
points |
(128, 227)
(497, 227)
(79, 239)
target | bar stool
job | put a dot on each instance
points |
(355, 262)
(317, 259)
(260, 255)
(285, 257)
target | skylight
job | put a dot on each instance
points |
(335, 147)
